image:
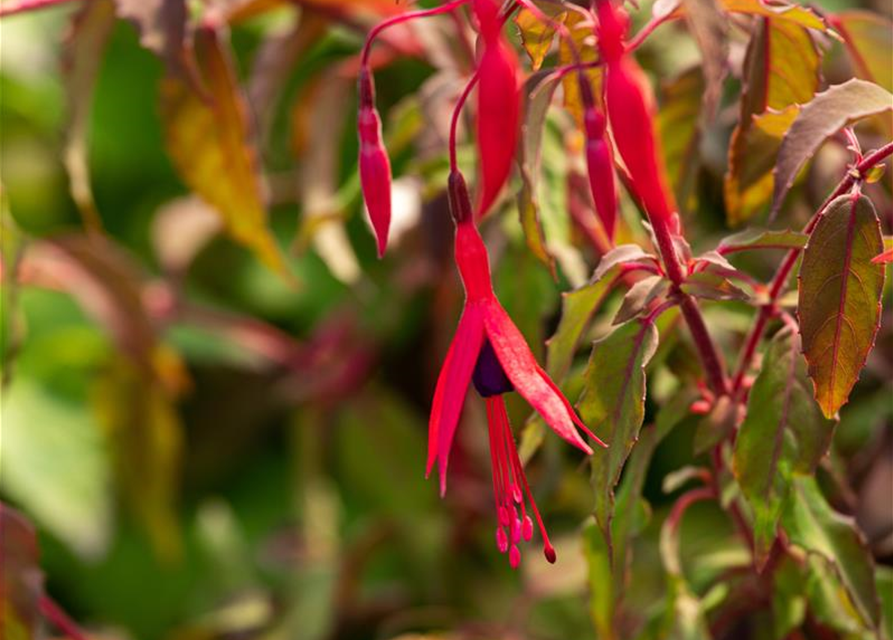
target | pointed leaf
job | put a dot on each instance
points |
(778, 10)
(639, 296)
(212, 146)
(537, 94)
(812, 524)
(712, 286)
(613, 405)
(762, 239)
(824, 115)
(577, 309)
(784, 432)
(869, 41)
(82, 57)
(781, 69)
(840, 296)
(623, 254)
(537, 35)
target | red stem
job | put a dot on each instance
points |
(11, 8)
(684, 502)
(403, 17)
(768, 310)
(54, 613)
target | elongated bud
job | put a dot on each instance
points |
(498, 107)
(375, 166)
(599, 161)
(613, 23)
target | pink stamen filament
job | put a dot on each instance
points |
(510, 487)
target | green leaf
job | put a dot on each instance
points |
(538, 92)
(826, 114)
(869, 41)
(55, 464)
(613, 405)
(577, 309)
(784, 432)
(812, 525)
(840, 296)
(680, 131)
(781, 68)
(788, 598)
(752, 239)
(712, 286)
(640, 296)
(601, 593)
(212, 145)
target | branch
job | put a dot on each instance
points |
(768, 310)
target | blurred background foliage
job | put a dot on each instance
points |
(211, 449)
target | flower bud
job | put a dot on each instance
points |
(375, 166)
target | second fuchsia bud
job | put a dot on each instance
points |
(498, 106)
(375, 166)
(599, 162)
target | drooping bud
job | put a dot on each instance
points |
(375, 166)
(613, 23)
(457, 193)
(599, 161)
(498, 106)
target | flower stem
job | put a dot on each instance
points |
(403, 17)
(10, 8)
(54, 613)
(768, 310)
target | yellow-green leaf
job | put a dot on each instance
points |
(869, 41)
(840, 297)
(537, 35)
(680, 132)
(212, 145)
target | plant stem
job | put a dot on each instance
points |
(403, 17)
(684, 502)
(11, 8)
(768, 310)
(54, 613)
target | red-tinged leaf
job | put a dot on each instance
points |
(869, 41)
(639, 297)
(753, 239)
(613, 405)
(840, 297)
(752, 153)
(814, 526)
(21, 583)
(212, 146)
(783, 433)
(538, 93)
(709, 25)
(82, 57)
(778, 10)
(712, 286)
(623, 254)
(824, 115)
(883, 258)
(781, 68)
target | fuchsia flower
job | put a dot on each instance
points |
(489, 350)
(375, 167)
(498, 105)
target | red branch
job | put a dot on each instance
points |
(768, 310)
(11, 8)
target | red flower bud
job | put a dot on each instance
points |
(599, 161)
(498, 108)
(375, 167)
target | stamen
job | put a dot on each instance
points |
(510, 488)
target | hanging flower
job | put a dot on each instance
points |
(498, 105)
(489, 350)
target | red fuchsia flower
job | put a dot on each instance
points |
(498, 105)
(375, 167)
(489, 350)
(630, 108)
